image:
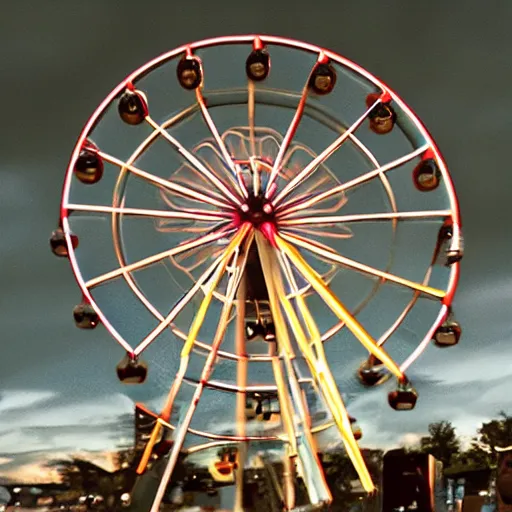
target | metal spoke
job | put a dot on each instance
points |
(203, 240)
(324, 155)
(290, 133)
(282, 390)
(330, 254)
(365, 217)
(293, 206)
(250, 116)
(319, 368)
(427, 340)
(336, 306)
(220, 143)
(219, 268)
(166, 322)
(166, 184)
(195, 162)
(272, 280)
(198, 215)
(241, 395)
(181, 430)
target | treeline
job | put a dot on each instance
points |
(444, 444)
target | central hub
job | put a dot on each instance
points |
(257, 210)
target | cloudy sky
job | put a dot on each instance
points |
(58, 391)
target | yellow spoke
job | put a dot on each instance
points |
(281, 335)
(343, 423)
(199, 319)
(284, 398)
(337, 307)
(321, 372)
(194, 330)
(330, 390)
(328, 253)
(319, 369)
(183, 427)
(157, 429)
(328, 385)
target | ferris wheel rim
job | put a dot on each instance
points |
(248, 39)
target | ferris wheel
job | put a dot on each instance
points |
(264, 219)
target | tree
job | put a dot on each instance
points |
(495, 433)
(473, 458)
(442, 442)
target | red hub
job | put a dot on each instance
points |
(259, 211)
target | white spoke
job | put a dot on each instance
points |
(181, 431)
(315, 478)
(250, 115)
(194, 161)
(324, 155)
(199, 215)
(330, 254)
(177, 308)
(156, 257)
(366, 217)
(291, 129)
(317, 363)
(220, 143)
(256, 176)
(169, 185)
(290, 207)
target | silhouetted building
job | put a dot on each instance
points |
(409, 481)
(504, 479)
